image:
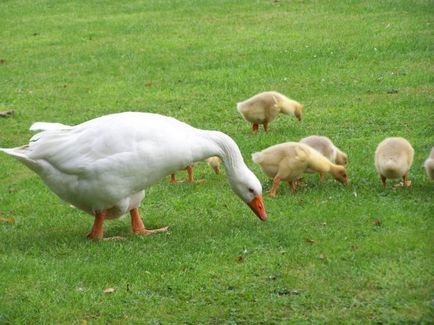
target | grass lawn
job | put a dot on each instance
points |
(328, 253)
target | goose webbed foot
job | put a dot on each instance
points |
(145, 231)
(139, 228)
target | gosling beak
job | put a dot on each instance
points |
(258, 208)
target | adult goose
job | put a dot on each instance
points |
(104, 165)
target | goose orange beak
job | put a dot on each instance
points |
(257, 206)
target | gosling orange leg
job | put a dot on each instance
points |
(299, 180)
(173, 178)
(293, 185)
(321, 177)
(405, 181)
(273, 190)
(139, 228)
(255, 127)
(383, 180)
(97, 229)
(266, 126)
(190, 174)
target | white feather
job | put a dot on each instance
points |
(46, 126)
(108, 162)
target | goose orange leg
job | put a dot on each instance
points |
(321, 177)
(273, 190)
(190, 174)
(255, 127)
(173, 178)
(139, 228)
(97, 230)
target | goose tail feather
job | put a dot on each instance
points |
(46, 126)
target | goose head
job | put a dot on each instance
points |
(245, 184)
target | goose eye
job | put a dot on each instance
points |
(251, 190)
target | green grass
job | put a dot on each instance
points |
(72, 61)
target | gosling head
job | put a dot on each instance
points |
(299, 111)
(341, 159)
(339, 173)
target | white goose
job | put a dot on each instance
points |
(103, 166)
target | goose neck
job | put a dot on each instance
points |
(227, 150)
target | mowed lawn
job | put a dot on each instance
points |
(326, 254)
